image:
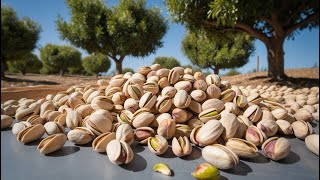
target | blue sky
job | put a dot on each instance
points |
(299, 53)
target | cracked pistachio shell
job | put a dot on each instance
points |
(284, 127)
(111, 91)
(53, 128)
(93, 95)
(155, 67)
(269, 127)
(73, 119)
(213, 79)
(142, 118)
(135, 91)
(181, 146)
(119, 152)
(118, 98)
(35, 119)
(104, 112)
(158, 145)
(230, 123)
(207, 133)
(131, 105)
(276, 148)
(9, 110)
(253, 113)
(61, 119)
(213, 91)
(231, 108)
(31, 133)
(312, 143)
(200, 85)
(102, 102)
(266, 114)
(148, 100)
(17, 127)
(163, 82)
(179, 115)
(162, 168)
(152, 87)
(142, 134)
(52, 115)
(6, 121)
(193, 122)
(164, 104)
(280, 113)
(199, 76)
(227, 95)
(84, 110)
(182, 99)
(255, 135)
(169, 91)
(144, 70)
(303, 115)
(209, 114)
(100, 143)
(103, 82)
(240, 101)
(52, 143)
(182, 130)
(125, 133)
(125, 117)
(206, 171)
(99, 124)
(80, 135)
(158, 118)
(167, 128)
(153, 78)
(198, 95)
(194, 107)
(213, 103)
(242, 148)
(254, 98)
(220, 156)
(183, 85)
(173, 76)
(301, 129)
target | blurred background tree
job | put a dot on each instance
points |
(166, 62)
(124, 70)
(219, 50)
(96, 63)
(29, 63)
(18, 36)
(129, 29)
(57, 59)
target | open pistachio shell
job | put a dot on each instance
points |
(52, 143)
(142, 118)
(181, 146)
(100, 143)
(255, 135)
(102, 102)
(148, 100)
(242, 148)
(53, 128)
(207, 133)
(230, 123)
(125, 133)
(142, 134)
(269, 127)
(31, 133)
(164, 104)
(276, 148)
(253, 113)
(158, 144)
(119, 152)
(167, 128)
(209, 114)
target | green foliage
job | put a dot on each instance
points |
(129, 29)
(96, 63)
(229, 50)
(124, 70)
(232, 72)
(59, 58)
(166, 62)
(29, 63)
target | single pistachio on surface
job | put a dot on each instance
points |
(284, 127)
(53, 128)
(119, 152)
(135, 91)
(220, 156)
(242, 148)
(209, 114)
(17, 127)
(158, 144)
(31, 133)
(213, 91)
(312, 143)
(125, 133)
(255, 135)
(182, 99)
(80, 135)
(207, 133)
(253, 113)
(142, 118)
(100, 143)
(206, 171)
(167, 128)
(164, 104)
(303, 115)
(269, 127)
(162, 168)
(142, 134)
(148, 100)
(276, 148)
(301, 129)
(6, 121)
(52, 143)
(213, 103)
(181, 146)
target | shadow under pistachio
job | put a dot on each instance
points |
(34, 143)
(64, 151)
(168, 153)
(7, 129)
(259, 159)
(290, 159)
(241, 169)
(136, 147)
(137, 164)
(313, 124)
(85, 145)
(222, 177)
(195, 154)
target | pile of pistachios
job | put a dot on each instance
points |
(156, 104)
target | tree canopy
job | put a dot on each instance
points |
(270, 21)
(129, 29)
(18, 36)
(96, 63)
(166, 62)
(215, 52)
(57, 58)
(29, 63)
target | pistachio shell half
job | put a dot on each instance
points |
(52, 143)
(276, 148)
(31, 133)
(162, 168)
(100, 143)
(119, 152)
(181, 146)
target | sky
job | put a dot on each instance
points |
(302, 52)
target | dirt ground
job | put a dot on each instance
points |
(36, 86)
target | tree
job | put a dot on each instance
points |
(96, 63)
(218, 51)
(166, 62)
(124, 70)
(59, 58)
(129, 29)
(18, 36)
(29, 63)
(270, 21)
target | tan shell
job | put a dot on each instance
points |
(194, 107)
(183, 85)
(118, 98)
(206, 115)
(152, 87)
(213, 91)
(80, 135)
(163, 82)
(142, 134)
(99, 124)
(254, 98)
(242, 148)
(230, 123)
(148, 100)
(312, 143)
(213, 103)
(213, 79)
(73, 119)
(227, 95)
(181, 146)
(100, 143)
(142, 118)
(35, 119)
(179, 115)
(6, 121)
(164, 104)
(276, 148)
(253, 113)
(200, 85)
(158, 145)
(301, 129)
(303, 115)
(280, 113)
(52, 143)
(244, 122)
(241, 101)
(255, 135)
(207, 133)
(119, 152)
(48, 105)
(17, 127)
(193, 122)
(269, 127)
(131, 105)
(284, 127)
(24, 114)
(84, 110)
(173, 76)
(198, 95)
(125, 133)
(182, 130)
(102, 102)
(53, 128)
(135, 91)
(31, 133)
(167, 128)
(61, 119)
(169, 91)
(182, 99)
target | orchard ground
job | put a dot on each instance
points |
(37, 86)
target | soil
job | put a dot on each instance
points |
(36, 86)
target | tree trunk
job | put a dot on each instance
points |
(276, 59)
(23, 72)
(118, 67)
(61, 72)
(97, 75)
(216, 70)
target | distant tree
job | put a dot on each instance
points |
(129, 29)
(124, 70)
(219, 51)
(96, 63)
(29, 63)
(232, 72)
(166, 62)
(18, 36)
(59, 58)
(270, 21)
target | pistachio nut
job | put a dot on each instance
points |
(303, 115)
(35, 119)
(125, 133)
(200, 85)
(163, 82)
(266, 114)
(148, 100)
(93, 95)
(310, 108)
(284, 127)
(80, 135)
(53, 128)
(135, 91)
(24, 114)
(9, 110)
(100, 143)
(125, 117)
(119, 152)
(276, 148)
(52, 115)
(48, 105)
(164, 104)
(244, 122)
(183, 85)
(169, 91)
(117, 81)
(206, 171)
(167, 128)
(199, 76)
(231, 108)
(269, 127)
(193, 122)
(280, 113)
(220, 156)
(131, 105)
(11, 102)
(253, 113)
(118, 98)
(213, 91)
(179, 115)
(198, 95)
(312, 100)
(290, 118)
(17, 127)
(255, 135)
(182, 99)
(209, 114)
(158, 118)
(155, 67)
(31, 133)
(254, 98)
(181, 146)
(240, 101)
(173, 76)
(151, 87)
(142, 118)
(194, 107)
(61, 119)
(227, 95)
(162, 168)
(99, 124)
(142, 134)
(112, 90)
(52, 143)
(207, 133)
(102, 102)
(182, 130)
(242, 148)
(6, 121)
(152, 77)
(312, 143)
(73, 119)
(103, 82)
(158, 144)
(301, 129)
(230, 123)
(213, 79)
